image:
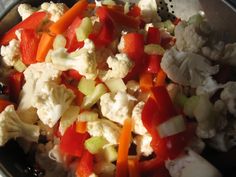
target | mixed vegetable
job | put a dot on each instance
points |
(115, 91)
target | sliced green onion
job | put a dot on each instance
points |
(95, 144)
(109, 2)
(68, 118)
(19, 66)
(86, 86)
(85, 28)
(88, 116)
(154, 49)
(115, 85)
(90, 100)
(169, 26)
(172, 126)
(190, 105)
(59, 42)
(180, 99)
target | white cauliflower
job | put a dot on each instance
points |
(11, 52)
(230, 54)
(226, 139)
(187, 37)
(51, 102)
(137, 117)
(25, 10)
(214, 52)
(228, 95)
(11, 126)
(120, 65)
(143, 144)
(121, 44)
(191, 164)
(105, 128)
(187, 68)
(35, 77)
(149, 10)
(117, 107)
(83, 60)
(56, 10)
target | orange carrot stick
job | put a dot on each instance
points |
(123, 149)
(81, 127)
(45, 44)
(133, 166)
(62, 24)
(146, 81)
(161, 78)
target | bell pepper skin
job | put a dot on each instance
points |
(72, 142)
(32, 22)
(153, 36)
(29, 46)
(85, 165)
(153, 63)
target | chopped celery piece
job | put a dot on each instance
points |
(195, 19)
(116, 85)
(87, 116)
(154, 49)
(180, 99)
(110, 153)
(84, 29)
(59, 42)
(109, 2)
(172, 126)
(95, 144)
(68, 118)
(126, 7)
(169, 26)
(19, 66)
(190, 105)
(86, 86)
(90, 100)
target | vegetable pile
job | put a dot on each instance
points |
(115, 91)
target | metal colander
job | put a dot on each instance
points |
(221, 15)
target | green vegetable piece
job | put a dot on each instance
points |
(110, 154)
(154, 49)
(195, 19)
(19, 66)
(86, 86)
(85, 28)
(87, 116)
(190, 105)
(95, 144)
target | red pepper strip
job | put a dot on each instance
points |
(32, 22)
(72, 142)
(153, 36)
(4, 104)
(71, 41)
(15, 83)
(85, 165)
(146, 81)
(150, 165)
(153, 65)
(134, 48)
(135, 11)
(29, 46)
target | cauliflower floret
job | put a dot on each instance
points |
(25, 10)
(117, 107)
(230, 54)
(51, 102)
(197, 144)
(105, 128)
(187, 68)
(56, 10)
(191, 164)
(83, 60)
(11, 126)
(35, 77)
(143, 144)
(149, 10)
(215, 51)
(121, 44)
(120, 66)
(137, 117)
(187, 37)
(226, 139)
(228, 95)
(11, 52)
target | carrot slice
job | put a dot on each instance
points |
(123, 149)
(45, 44)
(161, 78)
(146, 81)
(133, 163)
(81, 127)
(63, 23)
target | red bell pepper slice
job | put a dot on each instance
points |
(72, 143)
(153, 36)
(85, 165)
(153, 63)
(29, 46)
(71, 41)
(15, 83)
(134, 48)
(32, 22)
(4, 104)
(135, 11)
